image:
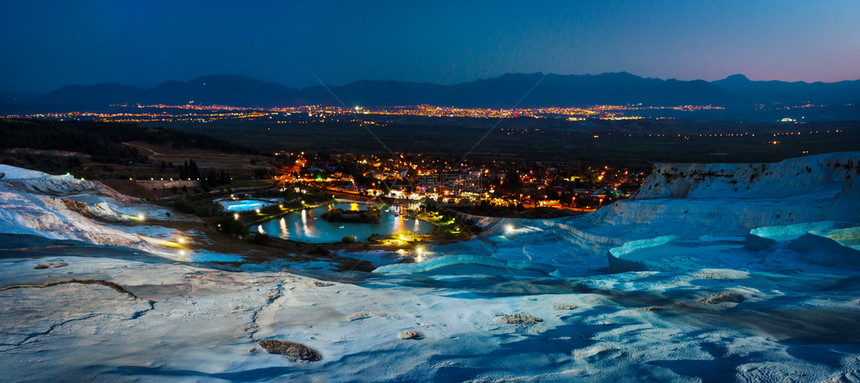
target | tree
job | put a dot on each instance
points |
(512, 182)
(261, 173)
(230, 225)
(189, 170)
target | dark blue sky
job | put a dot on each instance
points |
(47, 44)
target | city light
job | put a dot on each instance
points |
(419, 251)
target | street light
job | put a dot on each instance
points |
(420, 254)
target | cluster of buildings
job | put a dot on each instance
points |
(192, 112)
(416, 177)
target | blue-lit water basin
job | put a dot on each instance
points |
(307, 226)
(239, 206)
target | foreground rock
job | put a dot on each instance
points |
(411, 334)
(726, 297)
(520, 319)
(293, 350)
(48, 265)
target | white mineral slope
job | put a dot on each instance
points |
(810, 175)
(203, 324)
(62, 207)
(15, 173)
(689, 201)
(696, 323)
(734, 198)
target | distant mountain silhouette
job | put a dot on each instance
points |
(97, 95)
(221, 90)
(504, 91)
(766, 92)
(209, 90)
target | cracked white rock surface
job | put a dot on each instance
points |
(797, 321)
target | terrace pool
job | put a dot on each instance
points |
(307, 226)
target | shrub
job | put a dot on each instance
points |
(231, 226)
(200, 207)
(261, 239)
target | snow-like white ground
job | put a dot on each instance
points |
(63, 207)
(735, 286)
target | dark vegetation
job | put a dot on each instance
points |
(201, 206)
(372, 215)
(468, 224)
(312, 196)
(261, 238)
(209, 178)
(228, 224)
(453, 226)
(102, 141)
(631, 143)
(48, 162)
(95, 150)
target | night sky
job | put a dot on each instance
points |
(48, 44)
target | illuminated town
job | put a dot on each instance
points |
(416, 178)
(207, 113)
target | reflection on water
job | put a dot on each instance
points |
(398, 224)
(306, 226)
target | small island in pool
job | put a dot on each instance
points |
(371, 215)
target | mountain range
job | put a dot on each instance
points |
(505, 91)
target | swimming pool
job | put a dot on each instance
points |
(239, 206)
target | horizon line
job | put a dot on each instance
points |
(410, 82)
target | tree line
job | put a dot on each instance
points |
(102, 141)
(211, 178)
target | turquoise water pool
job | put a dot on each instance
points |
(239, 206)
(307, 226)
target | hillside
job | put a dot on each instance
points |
(102, 141)
(549, 90)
